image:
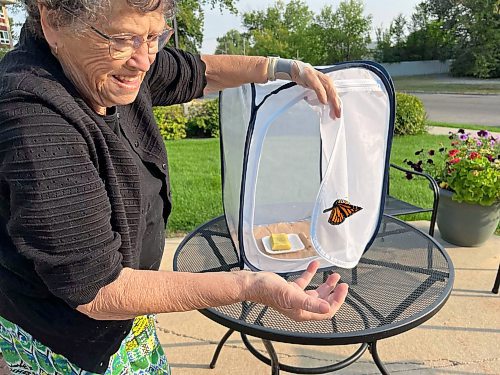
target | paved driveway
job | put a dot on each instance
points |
(467, 109)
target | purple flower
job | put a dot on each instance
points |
(479, 143)
(409, 176)
(463, 137)
(430, 161)
(461, 131)
(419, 152)
(432, 152)
(483, 133)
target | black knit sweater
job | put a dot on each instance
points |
(70, 199)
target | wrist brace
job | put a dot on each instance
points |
(278, 68)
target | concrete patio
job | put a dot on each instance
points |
(463, 338)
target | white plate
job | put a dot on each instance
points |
(294, 239)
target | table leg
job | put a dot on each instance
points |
(219, 347)
(307, 370)
(497, 282)
(373, 350)
(275, 364)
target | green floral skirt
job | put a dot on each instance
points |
(139, 353)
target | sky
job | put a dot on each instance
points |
(217, 24)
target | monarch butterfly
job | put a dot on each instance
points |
(341, 210)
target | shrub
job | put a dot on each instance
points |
(410, 115)
(203, 119)
(171, 121)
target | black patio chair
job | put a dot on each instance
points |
(396, 207)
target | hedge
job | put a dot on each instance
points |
(196, 119)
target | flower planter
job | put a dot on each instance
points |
(465, 224)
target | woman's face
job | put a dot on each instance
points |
(100, 79)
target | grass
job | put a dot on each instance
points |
(196, 184)
(463, 126)
(445, 84)
(415, 191)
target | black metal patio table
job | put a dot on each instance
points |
(401, 281)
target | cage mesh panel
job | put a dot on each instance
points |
(289, 177)
(388, 285)
(235, 111)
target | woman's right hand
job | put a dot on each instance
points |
(291, 298)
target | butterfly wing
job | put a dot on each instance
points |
(336, 216)
(341, 210)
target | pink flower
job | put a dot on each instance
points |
(454, 161)
(453, 152)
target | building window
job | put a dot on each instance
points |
(4, 37)
(2, 14)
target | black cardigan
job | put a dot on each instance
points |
(70, 201)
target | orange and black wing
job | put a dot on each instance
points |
(341, 210)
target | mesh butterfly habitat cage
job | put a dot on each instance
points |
(291, 172)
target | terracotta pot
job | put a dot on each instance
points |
(465, 224)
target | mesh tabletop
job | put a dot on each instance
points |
(401, 281)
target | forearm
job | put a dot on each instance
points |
(136, 293)
(225, 71)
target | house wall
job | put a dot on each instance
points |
(5, 35)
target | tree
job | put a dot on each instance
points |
(191, 19)
(343, 34)
(232, 43)
(391, 43)
(279, 30)
(293, 31)
(478, 39)
(427, 39)
(354, 35)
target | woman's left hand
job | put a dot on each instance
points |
(291, 298)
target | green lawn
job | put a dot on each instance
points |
(196, 184)
(463, 126)
(445, 84)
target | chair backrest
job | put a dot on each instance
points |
(288, 168)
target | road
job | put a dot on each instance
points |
(467, 109)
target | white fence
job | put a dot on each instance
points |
(418, 68)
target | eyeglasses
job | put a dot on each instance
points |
(123, 46)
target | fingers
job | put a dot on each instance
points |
(311, 307)
(324, 290)
(331, 95)
(337, 298)
(309, 303)
(307, 275)
(324, 88)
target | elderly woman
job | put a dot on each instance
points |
(85, 192)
